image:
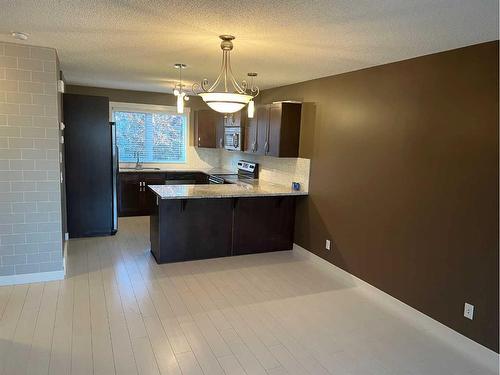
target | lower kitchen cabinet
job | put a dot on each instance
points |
(186, 229)
(129, 194)
(263, 224)
(135, 199)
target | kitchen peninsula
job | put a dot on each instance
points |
(235, 218)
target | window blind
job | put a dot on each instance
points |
(158, 137)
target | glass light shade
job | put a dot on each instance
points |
(180, 104)
(251, 109)
(225, 102)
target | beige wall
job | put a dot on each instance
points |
(30, 197)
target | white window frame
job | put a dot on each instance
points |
(137, 107)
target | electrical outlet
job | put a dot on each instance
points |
(327, 245)
(469, 311)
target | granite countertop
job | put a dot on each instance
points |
(218, 171)
(247, 188)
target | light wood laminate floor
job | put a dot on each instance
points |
(118, 312)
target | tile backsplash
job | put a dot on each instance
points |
(278, 170)
(202, 158)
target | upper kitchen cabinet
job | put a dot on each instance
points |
(257, 131)
(274, 130)
(209, 129)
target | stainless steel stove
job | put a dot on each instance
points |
(247, 171)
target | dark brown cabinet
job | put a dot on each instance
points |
(135, 199)
(234, 226)
(274, 130)
(250, 144)
(187, 229)
(263, 224)
(209, 129)
(209, 126)
(256, 131)
(129, 194)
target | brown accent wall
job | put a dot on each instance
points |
(404, 181)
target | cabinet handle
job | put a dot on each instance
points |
(266, 147)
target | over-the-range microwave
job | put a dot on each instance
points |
(233, 138)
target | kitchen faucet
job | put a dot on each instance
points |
(138, 164)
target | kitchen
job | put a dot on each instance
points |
(263, 188)
(264, 220)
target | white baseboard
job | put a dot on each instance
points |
(65, 256)
(31, 278)
(458, 341)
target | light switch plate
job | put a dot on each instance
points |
(60, 86)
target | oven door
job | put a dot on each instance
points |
(232, 139)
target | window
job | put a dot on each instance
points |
(158, 134)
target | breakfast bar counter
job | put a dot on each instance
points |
(207, 221)
(234, 189)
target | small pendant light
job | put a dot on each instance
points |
(179, 89)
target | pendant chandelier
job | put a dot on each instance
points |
(179, 89)
(225, 95)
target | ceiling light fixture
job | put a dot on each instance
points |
(19, 35)
(179, 89)
(223, 99)
(251, 104)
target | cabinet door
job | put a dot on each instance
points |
(262, 129)
(263, 224)
(251, 135)
(219, 132)
(148, 198)
(130, 194)
(206, 123)
(274, 137)
(289, 134)
(190, 229)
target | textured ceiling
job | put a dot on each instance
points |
(133, 44)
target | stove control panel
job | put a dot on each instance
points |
(248, 169)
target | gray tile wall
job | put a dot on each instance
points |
(30, 192)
